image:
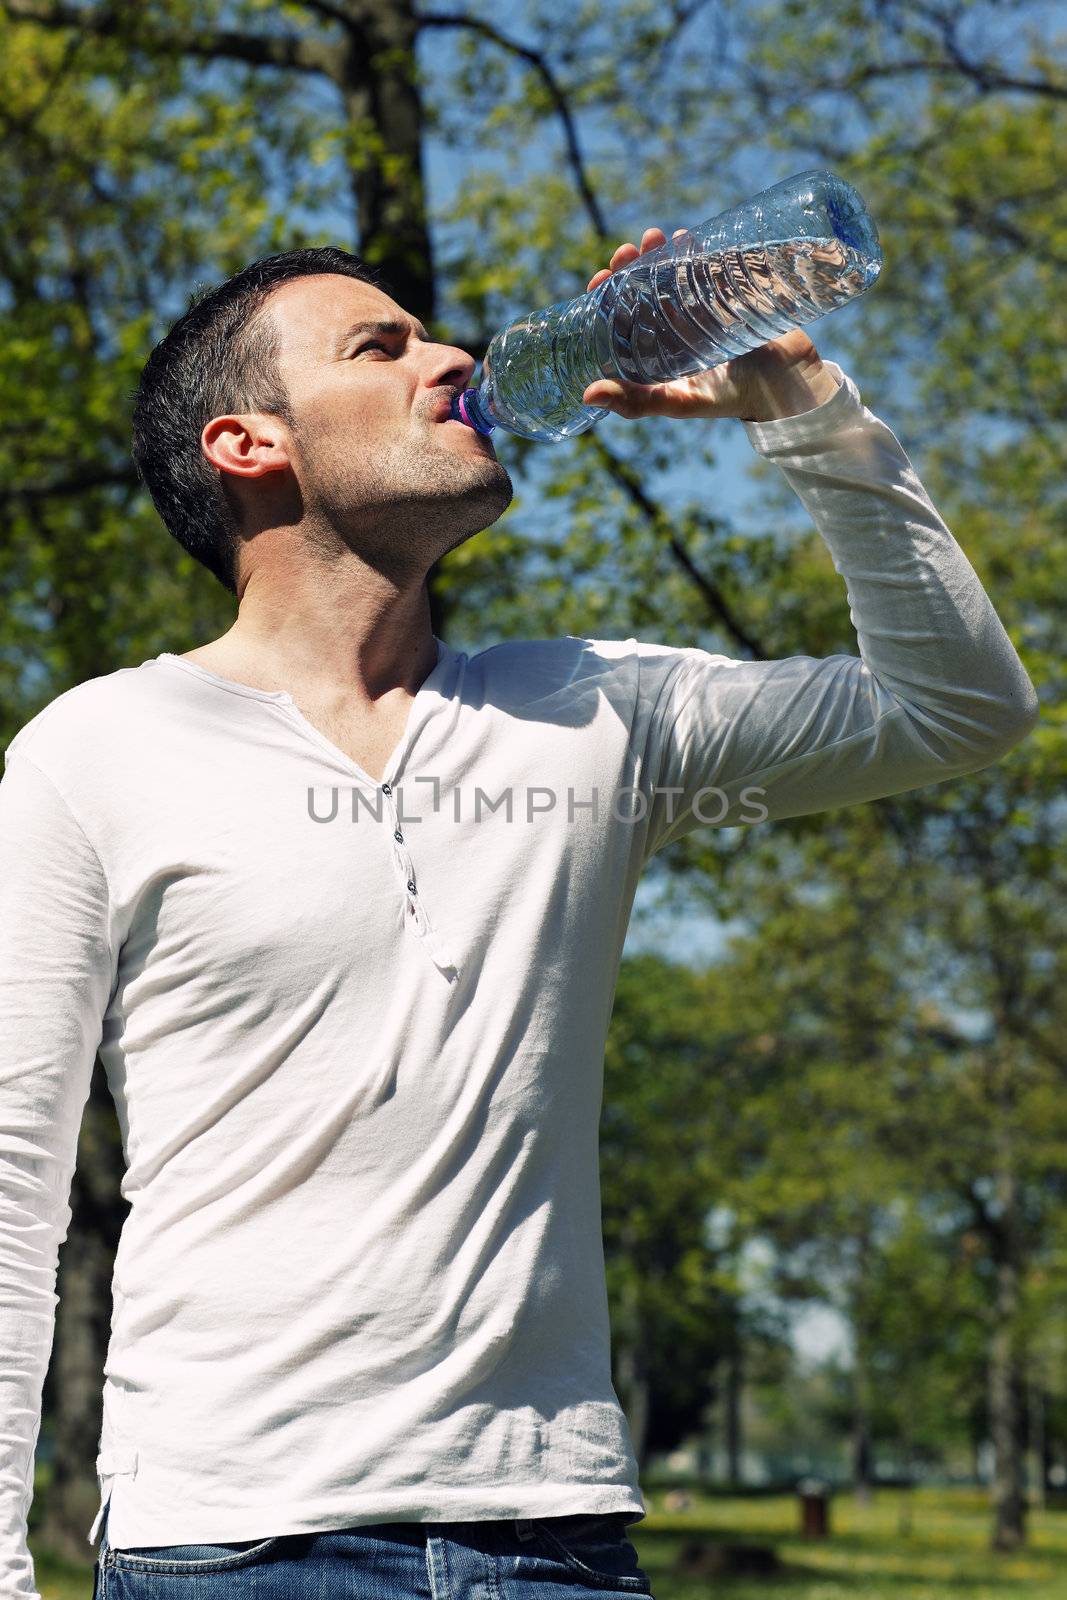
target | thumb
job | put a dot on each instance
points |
(605, 395)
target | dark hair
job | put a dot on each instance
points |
(220, 356)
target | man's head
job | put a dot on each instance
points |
(264, 407)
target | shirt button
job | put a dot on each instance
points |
(411, 886)
(398, 836)
(386, 788)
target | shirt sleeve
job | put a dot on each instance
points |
(55, 979)
(937, 689)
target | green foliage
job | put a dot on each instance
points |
(673, 1290)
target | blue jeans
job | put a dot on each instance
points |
(547, 1558)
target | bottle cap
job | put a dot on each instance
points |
(465, 409)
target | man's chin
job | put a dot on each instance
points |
(496, 492)
(485, 469)
(487, 494)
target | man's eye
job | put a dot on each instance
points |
(372, 344)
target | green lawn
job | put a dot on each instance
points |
(945, 1554)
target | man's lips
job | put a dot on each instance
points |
(442, 412)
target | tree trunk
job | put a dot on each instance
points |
(861, 1438)
(83, 1327)
(632, 1383)
(1038, 1447)
(732, 1397)
(627, 1340)
(383, 110)
(861, 1403)
(905, 1521)
(1005, 1410)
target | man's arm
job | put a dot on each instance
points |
(55, 982)
(937, 690)
(926, 629)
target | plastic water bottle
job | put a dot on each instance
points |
(796, 251)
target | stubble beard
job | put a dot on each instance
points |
(404, 510)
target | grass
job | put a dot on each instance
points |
(945, 1556)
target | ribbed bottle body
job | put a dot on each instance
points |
(787, 257)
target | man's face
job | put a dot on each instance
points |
(377, 466)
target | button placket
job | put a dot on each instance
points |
(416, 921)
(402, 857)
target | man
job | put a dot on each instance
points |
(342, 909)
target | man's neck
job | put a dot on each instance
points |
(327, 647)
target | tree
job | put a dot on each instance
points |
(670, 1289)
(913, 1164)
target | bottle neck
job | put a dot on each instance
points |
(467, 407)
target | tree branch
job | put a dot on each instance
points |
(713, 596)
(261, 50)
(83, 479)
(331, 13)
(456, 19)
(952, 63)
(987, 78)
(947, 23)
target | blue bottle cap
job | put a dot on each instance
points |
(465, 409)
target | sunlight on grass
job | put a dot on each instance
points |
(945, 1551)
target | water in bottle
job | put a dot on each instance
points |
(787, 257)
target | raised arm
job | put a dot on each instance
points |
(937, 689)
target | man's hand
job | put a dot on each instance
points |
(779, 379)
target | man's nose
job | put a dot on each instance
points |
(453, 366)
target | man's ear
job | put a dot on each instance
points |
(247, 446)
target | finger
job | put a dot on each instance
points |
(636, 400)
(607, 395)
(651, 239)
(625, 399)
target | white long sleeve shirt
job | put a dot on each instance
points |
(354, 1030)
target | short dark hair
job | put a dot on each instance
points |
(220, 356)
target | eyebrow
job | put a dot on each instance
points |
(393, 327)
